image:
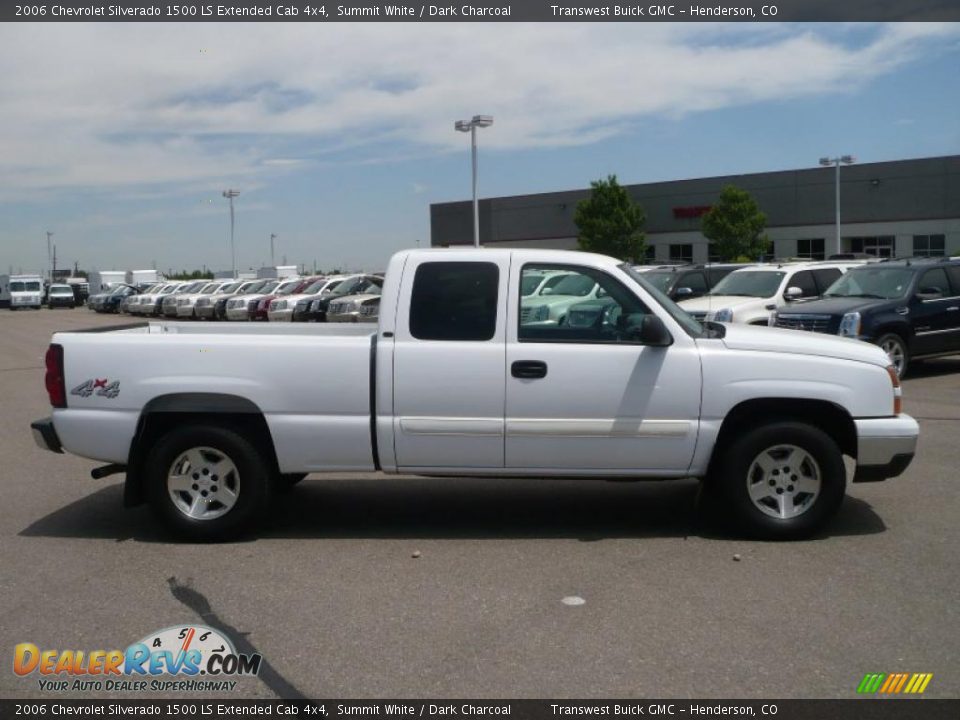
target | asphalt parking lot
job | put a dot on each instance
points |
(331, 594)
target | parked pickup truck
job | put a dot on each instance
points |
(208, 420)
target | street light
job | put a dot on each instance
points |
(827, 162)
(49, 256)
(273, 236)
(471, 126)
(230, 195)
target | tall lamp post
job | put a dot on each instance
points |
(837, 161)
(49, 256)
(471, 126)
(230, 195)
(273, 236)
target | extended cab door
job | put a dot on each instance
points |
(583, 396)
(448, 361)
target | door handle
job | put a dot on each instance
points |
(529, 369)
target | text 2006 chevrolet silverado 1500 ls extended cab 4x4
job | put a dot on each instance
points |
(207, 420)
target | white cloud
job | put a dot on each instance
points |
(104, 105)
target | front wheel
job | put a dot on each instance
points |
(207, 483)
(782, 481)
(896, 349)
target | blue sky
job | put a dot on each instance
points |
(119, 138)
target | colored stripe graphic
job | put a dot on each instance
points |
(894, 683)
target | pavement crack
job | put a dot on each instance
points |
(198, 603)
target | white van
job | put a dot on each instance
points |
(21, 291)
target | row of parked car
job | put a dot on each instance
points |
(337, 298)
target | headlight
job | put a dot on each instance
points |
(723, 315)
(303, 303)
(541, 313)
(252, 305)
(850, 325)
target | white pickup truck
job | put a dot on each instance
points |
(208, 420)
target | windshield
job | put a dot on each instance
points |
(756, 283)
(872, 282)
(228, 288)
(660, 280)
(207, 289)
(61, 290)
(288, 287)
(354, 286)
(576, 285)
(316, 286)
(266, 288)
(693, 328)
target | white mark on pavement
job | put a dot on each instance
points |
(573, 600)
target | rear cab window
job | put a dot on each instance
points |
(455, 301)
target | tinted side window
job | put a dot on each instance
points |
(695, 281)
(826, 277)
(954, 272)
(454, 301)
(804, 281)
(935, 279)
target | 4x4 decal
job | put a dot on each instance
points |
(102, 387)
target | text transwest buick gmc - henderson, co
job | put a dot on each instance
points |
(208, 420)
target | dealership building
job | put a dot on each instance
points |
(887, 209)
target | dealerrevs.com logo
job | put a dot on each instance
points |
(181, 658)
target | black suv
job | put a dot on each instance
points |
(909, 307)
(683, 282)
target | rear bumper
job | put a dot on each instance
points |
(885, 447)
(45, 435)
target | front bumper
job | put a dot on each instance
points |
(45, 435)
(285, 315)
(885, 447)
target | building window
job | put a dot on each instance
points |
(929, 245)
(713, 255)
(681, 253)
(810, 248)
(877, 245)
(650, 255)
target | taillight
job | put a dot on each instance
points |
(56, 385)
(897, 390)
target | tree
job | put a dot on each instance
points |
(610, 222)
(735, 225)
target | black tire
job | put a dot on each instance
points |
(893, 340)
(728, 485)
(253, 482)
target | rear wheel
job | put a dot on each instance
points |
(781, 481)
(896, 349)
(207, 483)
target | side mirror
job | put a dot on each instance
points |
(683, 292)
(930, 293)
(547, 291)
(645, 329)
(793, 293)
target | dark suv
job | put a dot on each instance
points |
(683, 282)
(909, 307)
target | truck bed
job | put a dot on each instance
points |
(310, 381)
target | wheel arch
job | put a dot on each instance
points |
(166, 412)
(823, 414)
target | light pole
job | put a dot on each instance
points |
(230, 195)
(471, 127)
(273, 236)
(49, 256)
(837, 161)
